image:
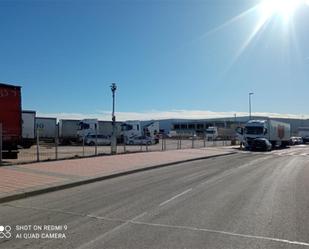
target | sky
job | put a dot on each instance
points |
(169, 58)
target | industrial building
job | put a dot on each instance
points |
(199, 125)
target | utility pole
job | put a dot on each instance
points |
(250, 94)
(114, 138)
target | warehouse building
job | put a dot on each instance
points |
(199, 125)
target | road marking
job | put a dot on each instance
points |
(138, 216)
(222, 232)
(176, 196)
(135, 222)
(304, 154)
(110, 232)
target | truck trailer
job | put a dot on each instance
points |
(68, 131)
(11, 119)
(47, 128)
(28, 128)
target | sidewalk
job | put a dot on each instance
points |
(27, 180)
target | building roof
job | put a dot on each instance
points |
(8, 85)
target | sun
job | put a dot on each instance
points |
(282, 8)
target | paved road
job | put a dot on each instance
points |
(247, 200)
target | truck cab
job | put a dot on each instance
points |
(87, 127)
(211, 133)
(255, 129)
(131, 129)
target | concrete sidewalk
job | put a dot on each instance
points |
(27, 180)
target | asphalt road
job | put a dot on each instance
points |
(246, 200)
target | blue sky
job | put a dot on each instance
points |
(164, 55)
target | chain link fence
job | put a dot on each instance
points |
(50, 149)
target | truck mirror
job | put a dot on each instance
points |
(240, 130)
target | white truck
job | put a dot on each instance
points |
(216, 133)
(211, 133)
(277, 133)
(303, 132)
(87, 127)
(137, 128)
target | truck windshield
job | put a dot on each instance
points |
(254, 130)
(127, 127)
(83, 126)
(210, 132)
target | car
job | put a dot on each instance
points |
(296, 140)
(261, 144)
(300, 140)
(293, 141)
(141, 140)
(91, 140)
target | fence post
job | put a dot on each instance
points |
(0, 143)
(83, 145)
(192, 140)
(37, 145)
(204, 140)
(124, 144)
(162, 142)
(56, 141)
(96, 140)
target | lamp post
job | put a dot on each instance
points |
(250, 94)
(114, 139)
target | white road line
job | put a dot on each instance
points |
(223, 232)
(176, 196)
(110, 232)
(304, 154)
(135, 222)
(138, 216)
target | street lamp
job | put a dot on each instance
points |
(114, 139)
(250, 94)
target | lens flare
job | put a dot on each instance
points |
(283, 8)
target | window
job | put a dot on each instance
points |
(254, 130)
(200, 126)
(191, 126)
(176, 126)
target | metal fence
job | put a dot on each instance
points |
(50, 149)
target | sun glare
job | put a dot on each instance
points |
(283, 8)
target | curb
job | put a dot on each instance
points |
(23, 195)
